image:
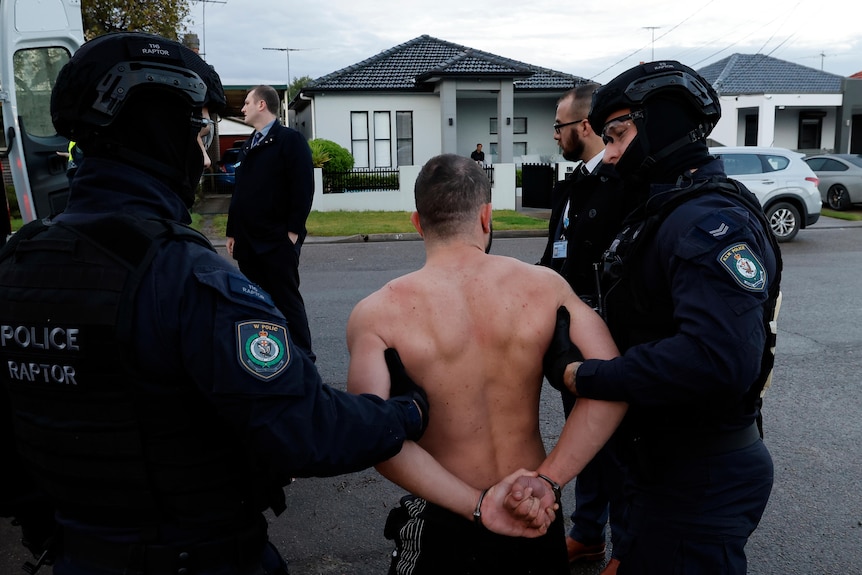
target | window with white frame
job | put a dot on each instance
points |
(359, 139)
(382, 140)
(404, 137)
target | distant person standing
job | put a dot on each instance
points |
(478, 155)
(269, 208)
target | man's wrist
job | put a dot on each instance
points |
(571, 380)
(477, 513)
(555, 487)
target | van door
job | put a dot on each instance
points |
(37, 37)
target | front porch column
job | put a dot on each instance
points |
(448, 117)
(505, 122)
(766, 122)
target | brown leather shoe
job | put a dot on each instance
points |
(611, 567)
(580, 552)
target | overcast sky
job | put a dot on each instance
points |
(595, 40)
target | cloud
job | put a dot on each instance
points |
(598, 41)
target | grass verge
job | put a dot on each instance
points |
(851, 216)
(330, 224)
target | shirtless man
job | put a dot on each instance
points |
(471, 329)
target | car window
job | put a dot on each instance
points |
(775, 163)
(830, 165)
(739, 164)
(36, 70)
(816, 164)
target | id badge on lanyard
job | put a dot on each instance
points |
(561, 246)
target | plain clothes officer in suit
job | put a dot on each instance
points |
(269, 208)
(588, 210)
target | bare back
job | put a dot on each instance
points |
(471, 329)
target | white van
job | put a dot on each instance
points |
(36, 39)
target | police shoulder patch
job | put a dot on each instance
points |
(744, 266)
(262, 348)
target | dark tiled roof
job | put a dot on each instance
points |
(759, 74)
(410, 65)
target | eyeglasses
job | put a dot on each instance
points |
(616, 128)
(559, 127)
(207, 129)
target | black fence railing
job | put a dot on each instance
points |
(489, 171)
(364, 180)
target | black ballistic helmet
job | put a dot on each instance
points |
(678, 106)
(132, 97)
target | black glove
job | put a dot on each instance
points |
(561, 352)
(402, 387)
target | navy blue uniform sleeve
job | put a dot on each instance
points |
(716, 265)
(200, 317)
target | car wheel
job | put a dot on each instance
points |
(784, 221)
(838, 198)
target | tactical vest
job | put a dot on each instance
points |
(109, 445)
(636, 318)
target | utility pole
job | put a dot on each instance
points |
(287, 51)
(652, 29)
(204, 23)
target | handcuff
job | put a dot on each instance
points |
(555, 487)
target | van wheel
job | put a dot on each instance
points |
(784, 221)
(838, 198)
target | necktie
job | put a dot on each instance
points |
(256, 138)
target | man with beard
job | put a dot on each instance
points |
(588, 209)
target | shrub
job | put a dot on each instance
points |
(330, 156)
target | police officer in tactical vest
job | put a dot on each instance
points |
(689, 288)
(157, 400)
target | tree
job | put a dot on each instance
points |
(298, 84)
(162, 17)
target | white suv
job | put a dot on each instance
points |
(785, 186)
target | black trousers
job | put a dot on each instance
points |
(277, 272)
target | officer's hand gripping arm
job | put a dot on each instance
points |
(403, 389)
(561, 352)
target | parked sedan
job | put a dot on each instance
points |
(224, 177)
(840, 178)
(784, 185)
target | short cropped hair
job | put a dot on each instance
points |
(581, 97)
(450, 190)
(269, 97)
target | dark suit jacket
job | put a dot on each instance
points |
(596, 212)
(274, 189)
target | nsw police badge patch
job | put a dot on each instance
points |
(262, 348)
(744, 266)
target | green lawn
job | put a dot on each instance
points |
(359, 223)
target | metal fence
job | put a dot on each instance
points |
(364, 180)
(489, 171)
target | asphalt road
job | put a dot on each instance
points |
(813, 523)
